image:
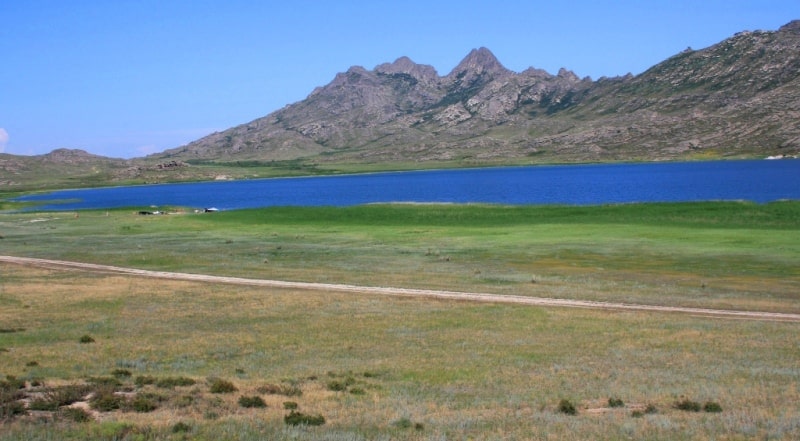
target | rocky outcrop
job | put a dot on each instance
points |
(738, 97)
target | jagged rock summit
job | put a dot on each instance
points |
(738, 97)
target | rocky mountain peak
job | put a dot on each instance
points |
(405, 65)
(736, 97)
(793, 27)
(567, 75)
(479, 62)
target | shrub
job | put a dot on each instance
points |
(357, 391)
(289, 405)
(143, 404)
(298, 419)
(11, 409)
(32, 363)
(105, 400)
(712, 406)
(104, 381)
(12, 383)
(220, 386)
(86, 339)
(337, 386)
(251, 402)
(75, 414)
(43, 404)
(170, 382)
(66, 395)
(121, 373)
(142, 380)
(649, 409)
(615, 402)
(184, 401)
(403, 423)
(288, 390)
(181, 427)
(688, 405)
(566, 407)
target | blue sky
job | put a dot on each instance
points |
(127, 78)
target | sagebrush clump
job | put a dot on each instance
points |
(566, 407)
(252, 401)
(297, 419)
(220, 386)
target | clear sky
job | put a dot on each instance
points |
(125, 78)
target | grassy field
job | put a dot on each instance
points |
(723, 255)
(385, 368)
(389, 368)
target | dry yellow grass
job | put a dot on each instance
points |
(458, 369)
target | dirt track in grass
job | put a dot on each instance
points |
(404, 292)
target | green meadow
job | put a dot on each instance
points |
(390, 368)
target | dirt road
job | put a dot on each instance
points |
(405, 292)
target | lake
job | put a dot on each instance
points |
(752, 180)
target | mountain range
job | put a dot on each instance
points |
(737, 98)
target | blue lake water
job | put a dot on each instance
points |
(756, 180)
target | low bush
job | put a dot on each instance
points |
(66, 395)
(171, 382)
(301, 419)
(143, 404)
(405, 423)
(184, 401)
(688, 405)
(402, 423)
(105, 400)
(12, 383)
(42, 404)
(566, 407)
(142, 380)
(712, 407)
(220, 386)
(86, 339)
(121, 373)
(615, 402)
(181, 427)
(251, 402)
(104, 381)
(11, 408)
(74, 414)
(288, 390)
(337, 386)
(289, 405)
